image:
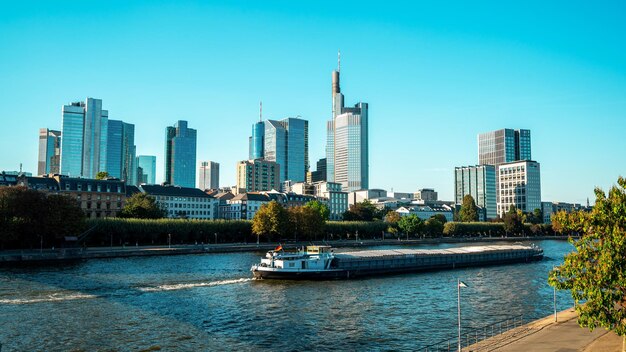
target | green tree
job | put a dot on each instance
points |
(594, 272)
(469, 210)
(320, 207)
(410, 224)
(271, 220)
(536, 217)
(102, 175)
(512, 222)
(363, 211)
(433, 227)
(306, 222)
(440, 217)
(64, 216)
(142, 206)
(392, 217)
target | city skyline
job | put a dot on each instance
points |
(444, 83)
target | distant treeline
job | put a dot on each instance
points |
(145, 231)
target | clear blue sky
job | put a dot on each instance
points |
(434, 75)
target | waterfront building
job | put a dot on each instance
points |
(183, 202)
(347, 155)
(425, 212)
(336, 198)
(97, 198)
(146, 169)
(49, 152)
(289, 199)
(244, 206)
(549, 208)
(121, 151)
(84, 142)
(520, 186)
(479, 182)
(257, 175)
(180, 155)
(209, 175)
(427, 194)
(365, 194)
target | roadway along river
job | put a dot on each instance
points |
(209, 302)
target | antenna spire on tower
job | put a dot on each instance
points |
(338, 60)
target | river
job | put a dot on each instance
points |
(209, 303)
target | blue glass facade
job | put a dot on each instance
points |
(121, 151)
(180, 152)
(147, 163)
(286, 142)
(257, 141)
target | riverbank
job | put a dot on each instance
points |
(547, 335)
(73, 254)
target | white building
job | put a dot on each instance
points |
(337, 200)
(243, 206)
(425, 212)
(520, 186)
(365, 194)
(425, 194)
(183, 202)
(209, 175)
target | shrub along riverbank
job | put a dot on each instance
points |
(145, 232)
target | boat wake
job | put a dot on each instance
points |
(56, 297)
(172, 287)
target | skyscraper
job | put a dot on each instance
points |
(180, 155)
(479, 182)
(121, 150)
(49, 152)
(209, 175)
(347, 156)
(84, 143)
(147, 165)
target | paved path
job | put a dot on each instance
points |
(546, 335)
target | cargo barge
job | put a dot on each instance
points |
(321, 262)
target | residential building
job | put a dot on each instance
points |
(425, 212)
(183, 202)
(97, 198)
(209, 175)
(121, 151)
(289, 199)
(84, 142)
(520, 186)
(146, 169)
(549, 208)
(336, 198)
(49, 152)
(479, 182)
(426, 194)
(347, 155)
(8, 179)
(257, 175)
(244, 206)
(365, 194)
(180, 155)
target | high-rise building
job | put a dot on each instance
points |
(84, 143)
(257, 141)
(319, 174)
(49, 152)
(121, 151)
(180, 155)
(520, 185)
(503, 146)
(146, 169)
(479, 182)
(257, 175)
(347, 156)
(209, 175)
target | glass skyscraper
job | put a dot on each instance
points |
(49, 152)
(257, 141)
(209, 175)
(146, 169)
(121, 151)
(347, 145)
(180, 155)
(84, 143)
(479, 182)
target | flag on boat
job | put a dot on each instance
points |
(462, 284)
(279, 248)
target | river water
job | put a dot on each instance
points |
(209, 303)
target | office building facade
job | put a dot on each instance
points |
(49, 152)
(84, 143)
(257, 175)
(146, 169)
(347, 155)
(519, 186)
(121, 151)
(479, 182)
(209, 175)
(257, 141)
(503, 146)
(180, 155)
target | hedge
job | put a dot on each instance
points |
(493, 229)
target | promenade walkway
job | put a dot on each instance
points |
(547, 335)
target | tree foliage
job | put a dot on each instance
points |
(306, 222)
(411, 224)
(513, 224)
(433, 227)
(469, 210)
(595, 272)
(362, 211)
(320, 207)
(271, 220)
(102, 175)
(142, 206)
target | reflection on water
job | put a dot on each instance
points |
(210, 302)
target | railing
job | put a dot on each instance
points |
(476, 335)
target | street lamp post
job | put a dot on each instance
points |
(169, 240)
(215, 237)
